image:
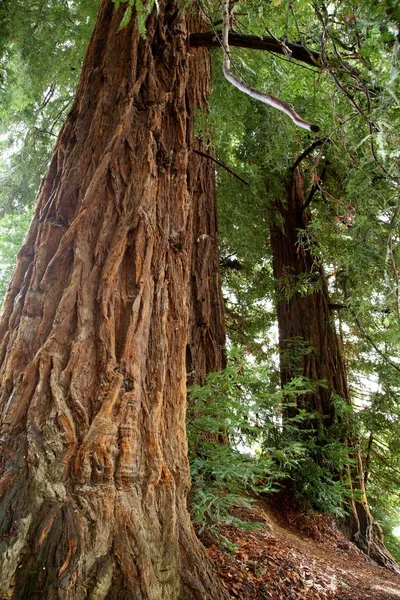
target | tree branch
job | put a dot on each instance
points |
(309, 198)
(316, 186)
(254, 42)
(221, 164)
(334, 306)
(308, 151)
(382, 354)
(281, 105)
(231, 263)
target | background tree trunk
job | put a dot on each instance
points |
(205, 351)
(310, 347)
(304, 316)
(93, 465)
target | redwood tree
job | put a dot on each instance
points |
(306, 317)
(94, 332)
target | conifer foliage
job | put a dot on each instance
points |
(116, 302)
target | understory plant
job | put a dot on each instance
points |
(242, 445)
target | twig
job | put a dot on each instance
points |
(65, 106)
(286, 50)
(382, 354)
(309, 52)
(45, 131)
(221, 164)
(289, 60)
(47, 98)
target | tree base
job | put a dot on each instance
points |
(361, 529)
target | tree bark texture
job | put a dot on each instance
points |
(309, 344)
(94, 331)
(205, 351)
(304, 317)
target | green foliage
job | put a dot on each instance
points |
(386, 509)
(381, 419)
(242, 444)
(222, 417)
(142, 11)
(320, 479)
(355, 214)
(41, 50)
(12, 231)
(354, 229)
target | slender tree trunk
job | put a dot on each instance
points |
(205, 352)
(93, 463)
(304, 316)
(309, 344)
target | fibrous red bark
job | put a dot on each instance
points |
(304, 315)
(205, 352)
(310, 347)
(93, 465)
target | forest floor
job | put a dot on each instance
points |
(294, 556)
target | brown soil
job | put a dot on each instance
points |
(295, 556)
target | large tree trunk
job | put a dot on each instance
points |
(309, 344)
(94, 471)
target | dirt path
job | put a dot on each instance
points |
(296, 558)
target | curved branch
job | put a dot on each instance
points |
(308, 151)
(309, 198)
(316, 186)
(250, 91)
(368, 337)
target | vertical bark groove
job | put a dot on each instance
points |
(93, 465)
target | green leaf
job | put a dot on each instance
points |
(126, 18)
